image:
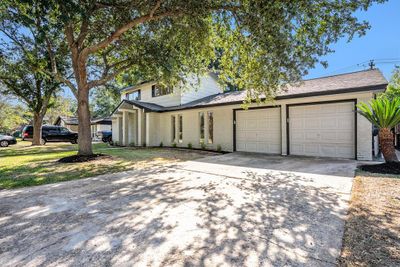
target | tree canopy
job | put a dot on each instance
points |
(262, 45)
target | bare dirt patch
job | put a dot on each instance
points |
(83, 158)
(372, 231)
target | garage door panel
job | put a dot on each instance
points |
(325, 130)
(259, 130)
(312, 124)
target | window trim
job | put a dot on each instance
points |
(210, 130)
(180, 128)
(173, 128)
(168, 91)
(139, 95)
(202, 127)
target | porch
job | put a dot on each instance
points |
(130, 125)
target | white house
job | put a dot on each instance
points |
(316, 118)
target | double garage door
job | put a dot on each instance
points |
(319, 130)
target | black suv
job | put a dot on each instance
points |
(51, 134)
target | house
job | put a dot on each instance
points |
(70, 123)
(97, 125)
(315, 118)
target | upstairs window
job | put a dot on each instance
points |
(157, 90)
(135, 95)
(202, 126)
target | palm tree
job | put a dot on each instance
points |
(384, 113)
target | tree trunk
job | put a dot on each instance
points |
(37, 128)
(84, 132)
(386, 141)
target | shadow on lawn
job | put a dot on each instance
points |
(164, 216)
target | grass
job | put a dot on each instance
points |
(372, 231)
(24, 165)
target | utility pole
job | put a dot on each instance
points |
(371, 64)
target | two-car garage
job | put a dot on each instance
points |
(322, 129)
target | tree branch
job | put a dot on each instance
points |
(108, 77)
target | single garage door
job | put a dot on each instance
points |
(322, 130)
(259, 130)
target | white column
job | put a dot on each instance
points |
(139, 127)
(125, 128)
(283, 129)
(147, 129)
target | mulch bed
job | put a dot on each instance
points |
(82, 158)
(385, 168)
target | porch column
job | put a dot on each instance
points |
(147, 129)
(125, 125)
(283, 129)
(139, 127)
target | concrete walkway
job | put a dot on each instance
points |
(230, 210)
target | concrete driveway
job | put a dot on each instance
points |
(229, 210)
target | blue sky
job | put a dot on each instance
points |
(382, 42)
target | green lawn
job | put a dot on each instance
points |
(24, 165)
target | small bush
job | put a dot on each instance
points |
(173, 144)
(116, 143)
(190, 146)
(203, 145)
(161, 144)
(219, 148)
(144, 145)
(132, 144)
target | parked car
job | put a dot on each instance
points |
(106, 136)
(6, 140)
(51, 133)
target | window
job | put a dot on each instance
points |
(173, 128)
(210, 127)
(157, 90)
(180, 134)
(202, 123)
(135, 95)
(64, 130)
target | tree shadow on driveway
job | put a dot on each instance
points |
(166, 215)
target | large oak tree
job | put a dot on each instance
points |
(25, 60)
(262, 45)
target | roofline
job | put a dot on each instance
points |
(379, 87)
(341, 74)
(331, 92)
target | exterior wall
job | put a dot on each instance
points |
(72, 128)
(223, 127)
(207, 86)
(223, 124)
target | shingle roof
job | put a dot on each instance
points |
(344, 83)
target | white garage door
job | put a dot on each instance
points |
(323, 130)
(259, 130)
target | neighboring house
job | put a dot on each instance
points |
(315, 118)
(100, 125)
(97, 125)
(70, 123)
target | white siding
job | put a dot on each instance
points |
(207, 86)
(223, 125)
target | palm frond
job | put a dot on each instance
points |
(382, 112)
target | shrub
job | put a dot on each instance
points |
(144, 145)
(116, 143)
(132, 144)
(219, 148)
(161, 144)
(173, 144)
(203, 145)
(190, 146)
